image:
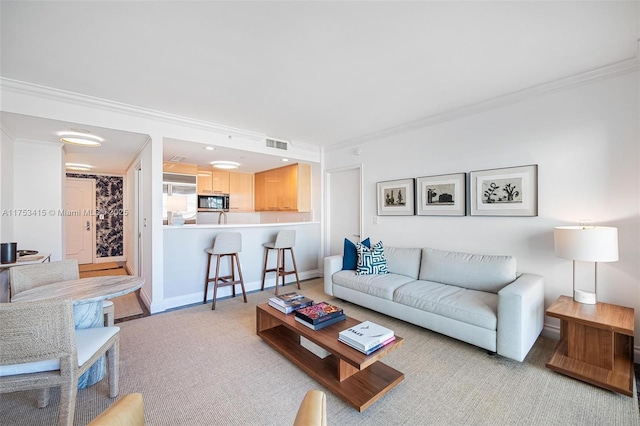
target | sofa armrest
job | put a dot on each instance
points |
(313, 410)
(332, 264)
(520, 316)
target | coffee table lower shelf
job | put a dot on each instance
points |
(359, 390)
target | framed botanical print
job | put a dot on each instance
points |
(396, 198)
(442, 195)
(512, 191)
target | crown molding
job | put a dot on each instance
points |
(612, 70)
(25, 88)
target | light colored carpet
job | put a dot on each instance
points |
(124, 306)
(195, 366)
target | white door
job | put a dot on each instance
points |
(344, 207)
(80, 206)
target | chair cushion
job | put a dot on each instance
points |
(472, 271)
(377, 285)
(88, 341)
(371, 260)
(479, 308)
(350, 254)
(405, 261)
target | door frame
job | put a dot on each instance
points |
(92, 217)
(327, 202)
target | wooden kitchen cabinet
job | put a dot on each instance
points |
(212, 182)
(284, 189)
(240, 192)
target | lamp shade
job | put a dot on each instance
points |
(586, 243)
(176, 203)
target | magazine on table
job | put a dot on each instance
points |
(365, 335)
(323, 324)
(318, 312)
(291, 306)
(373, 349)
(283, 299)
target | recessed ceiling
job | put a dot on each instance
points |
(313, 71)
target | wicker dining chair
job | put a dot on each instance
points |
(26, 277)
(40, 349)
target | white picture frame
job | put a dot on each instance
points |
(510, 191)
(441, 195)
(396, 197)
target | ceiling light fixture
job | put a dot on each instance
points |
(225, 164)
(209, 148)
(284, 159)
(79, 138)
(78, 167)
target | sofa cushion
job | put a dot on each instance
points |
(350, 254)
(371, 260)
(472, 271)
(381, 286)
(478, 308)
(404, 261)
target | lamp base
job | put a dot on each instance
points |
(585, 297)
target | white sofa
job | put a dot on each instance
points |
(479, 299)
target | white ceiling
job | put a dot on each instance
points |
(319, 72)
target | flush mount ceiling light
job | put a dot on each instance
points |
(80, 138)
(225, 164)
(209, 148)
(78, 167)
(284, 159)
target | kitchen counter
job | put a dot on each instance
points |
(185, 261)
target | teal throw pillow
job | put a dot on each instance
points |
(350, 254)
(371, 259)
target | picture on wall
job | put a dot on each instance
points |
(396, 198)
(511, 191)
(442, 195)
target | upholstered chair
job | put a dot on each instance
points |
(40, 349)
(29, 276)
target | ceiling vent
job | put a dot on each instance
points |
(176, 159)
(272, 143)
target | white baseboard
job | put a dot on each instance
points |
(553, 332)
(190, 299)
(110, 259)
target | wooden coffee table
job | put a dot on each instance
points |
(359, 379)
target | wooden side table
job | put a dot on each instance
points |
(596, 343)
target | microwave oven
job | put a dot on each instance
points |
(213, 203)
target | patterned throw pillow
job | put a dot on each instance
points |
(371, 260)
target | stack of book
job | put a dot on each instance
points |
(366, 337)
(320, 315)
(289, 302)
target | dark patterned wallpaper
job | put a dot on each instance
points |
(109, 225)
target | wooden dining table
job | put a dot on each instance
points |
(87, 295)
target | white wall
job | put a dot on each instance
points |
(6, 187)
(585, 141)
(38, 188)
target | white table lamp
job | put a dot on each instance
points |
(588, 244)
(176, 204)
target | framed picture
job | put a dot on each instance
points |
(395, 198)
(442, 195)
(511, 191)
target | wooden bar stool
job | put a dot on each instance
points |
(285, 240)
(225, 244)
